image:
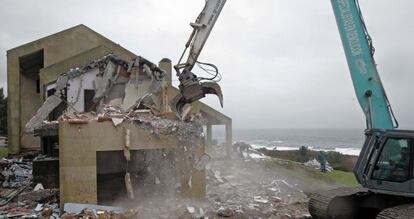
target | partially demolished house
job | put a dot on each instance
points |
(101, 116)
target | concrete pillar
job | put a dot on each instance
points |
(229, 138)
(165, 64)
(209, 136)
(13, 103)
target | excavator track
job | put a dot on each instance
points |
(336, 203)
(398, 212)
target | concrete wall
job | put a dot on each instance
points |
(28, 94)
(78, 146)
(76, 89)
(22, 103)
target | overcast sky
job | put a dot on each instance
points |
(282, 61)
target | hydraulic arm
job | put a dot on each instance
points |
(191, 87)
(359, 54)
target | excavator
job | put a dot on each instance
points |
(384, 168)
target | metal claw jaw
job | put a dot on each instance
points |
(193, 92)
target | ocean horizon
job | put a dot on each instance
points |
(344, 140)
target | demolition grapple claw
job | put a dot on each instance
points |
(191, 89)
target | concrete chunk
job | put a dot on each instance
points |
(42, 113)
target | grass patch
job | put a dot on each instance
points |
(3, 152)
(342, 177)
(337, 160)
(313, 176)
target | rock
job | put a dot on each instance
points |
(305, 216)
(224, 212)
(276, 199)
(39, 207)
(191, 209)
(41, 196)
(47, 212)
(68, 216)
(260, 199)
(183, 213)
(130, 213)
(38, 186)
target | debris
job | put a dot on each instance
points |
(276, 199)
(128, 186)
(18, 212)
(224, 212)
(202, 162)
(47, 212)
(185, 111)
(7, 198)
(288, 215)
(38, 187)
(73, 210)
(130, 213)
(42, 113)
(76, 118)
(306, 216)
(42, 196)
(218, 177)
(249, 188)
(190, 182)
(143, 101)
(127, 142)
(39, 207)
(117, 121)
(315, 164)
(191, 209)
(260, 199)
(16, 173)
(77, 207)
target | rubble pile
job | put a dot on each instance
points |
(188, 132)
(236, 188)
(245, 188)
(18, 197)
(15, 173)
(246, 151)
(115, 82)
(87, 213)
(317, 165)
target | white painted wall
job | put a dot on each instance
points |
(76, 89)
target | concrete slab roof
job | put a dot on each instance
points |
(63, 32)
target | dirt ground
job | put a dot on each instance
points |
(238, 186)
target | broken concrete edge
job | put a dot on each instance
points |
(77, 208)
(188, 131)
(111, 69)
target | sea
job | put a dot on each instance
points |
(345, 141)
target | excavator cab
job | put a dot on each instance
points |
(386, 160)
(385, 169)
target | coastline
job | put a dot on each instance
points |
(343, 150)
(336, 159)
